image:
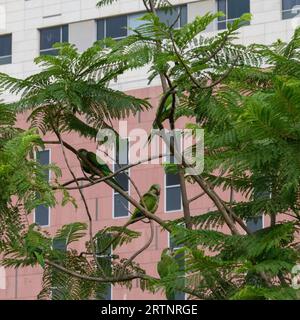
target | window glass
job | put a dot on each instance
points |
(100, 29)
(121, 205)
(232, 9)
(116, 27)
(42, 215)
(236, 8)
(173, 198)
(172, 179)
(183, 15)
(5, 49)
(255, 224)
(133, 22)
(50, 36)
(43, 157)
(119, 27)
(59, 244)
(290, 8)
(42, 212)
(169, 16)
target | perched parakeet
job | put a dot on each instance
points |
(150, 200)
(103, 168)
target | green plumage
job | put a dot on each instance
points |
(102, 167)
(150, 200)
(168, 268)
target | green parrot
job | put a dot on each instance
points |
(104, 168)
(168, 268)
(150, 200)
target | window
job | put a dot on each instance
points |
(173, 200)
(290, 8)
(181, 262)
(104, 257)
(42, 213)
(120, 204)
(232, 9)
(59, 244)
(5, 49)
(58, 292)
(50, 36)
(255, 224)
(119, 27)
(176, 16)
(114, 27)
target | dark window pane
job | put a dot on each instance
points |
(289, 4)
(172, 179)
(100, 30)
(5, 60)
(255, 223)
(49, 36)
(222, 25)
(116, 27)
(59, 244)
(169, 16)
(290, 8)
(5, 46)
(122, 179)
(43, 157)
(173, 244)
(232, 9)
(42, 215)
(65, 33)
(222, 7)
(134, 22)
(183, 16)
(122, 153)
(236, 8)
(121, 206)
(173, 199)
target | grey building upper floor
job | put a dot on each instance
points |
(29, 28)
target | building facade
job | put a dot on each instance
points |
(28, 28)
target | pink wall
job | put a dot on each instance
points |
(28, 282)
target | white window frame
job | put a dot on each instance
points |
(50, 178)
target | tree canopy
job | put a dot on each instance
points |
(247, 100)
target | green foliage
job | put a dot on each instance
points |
(251, 120)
